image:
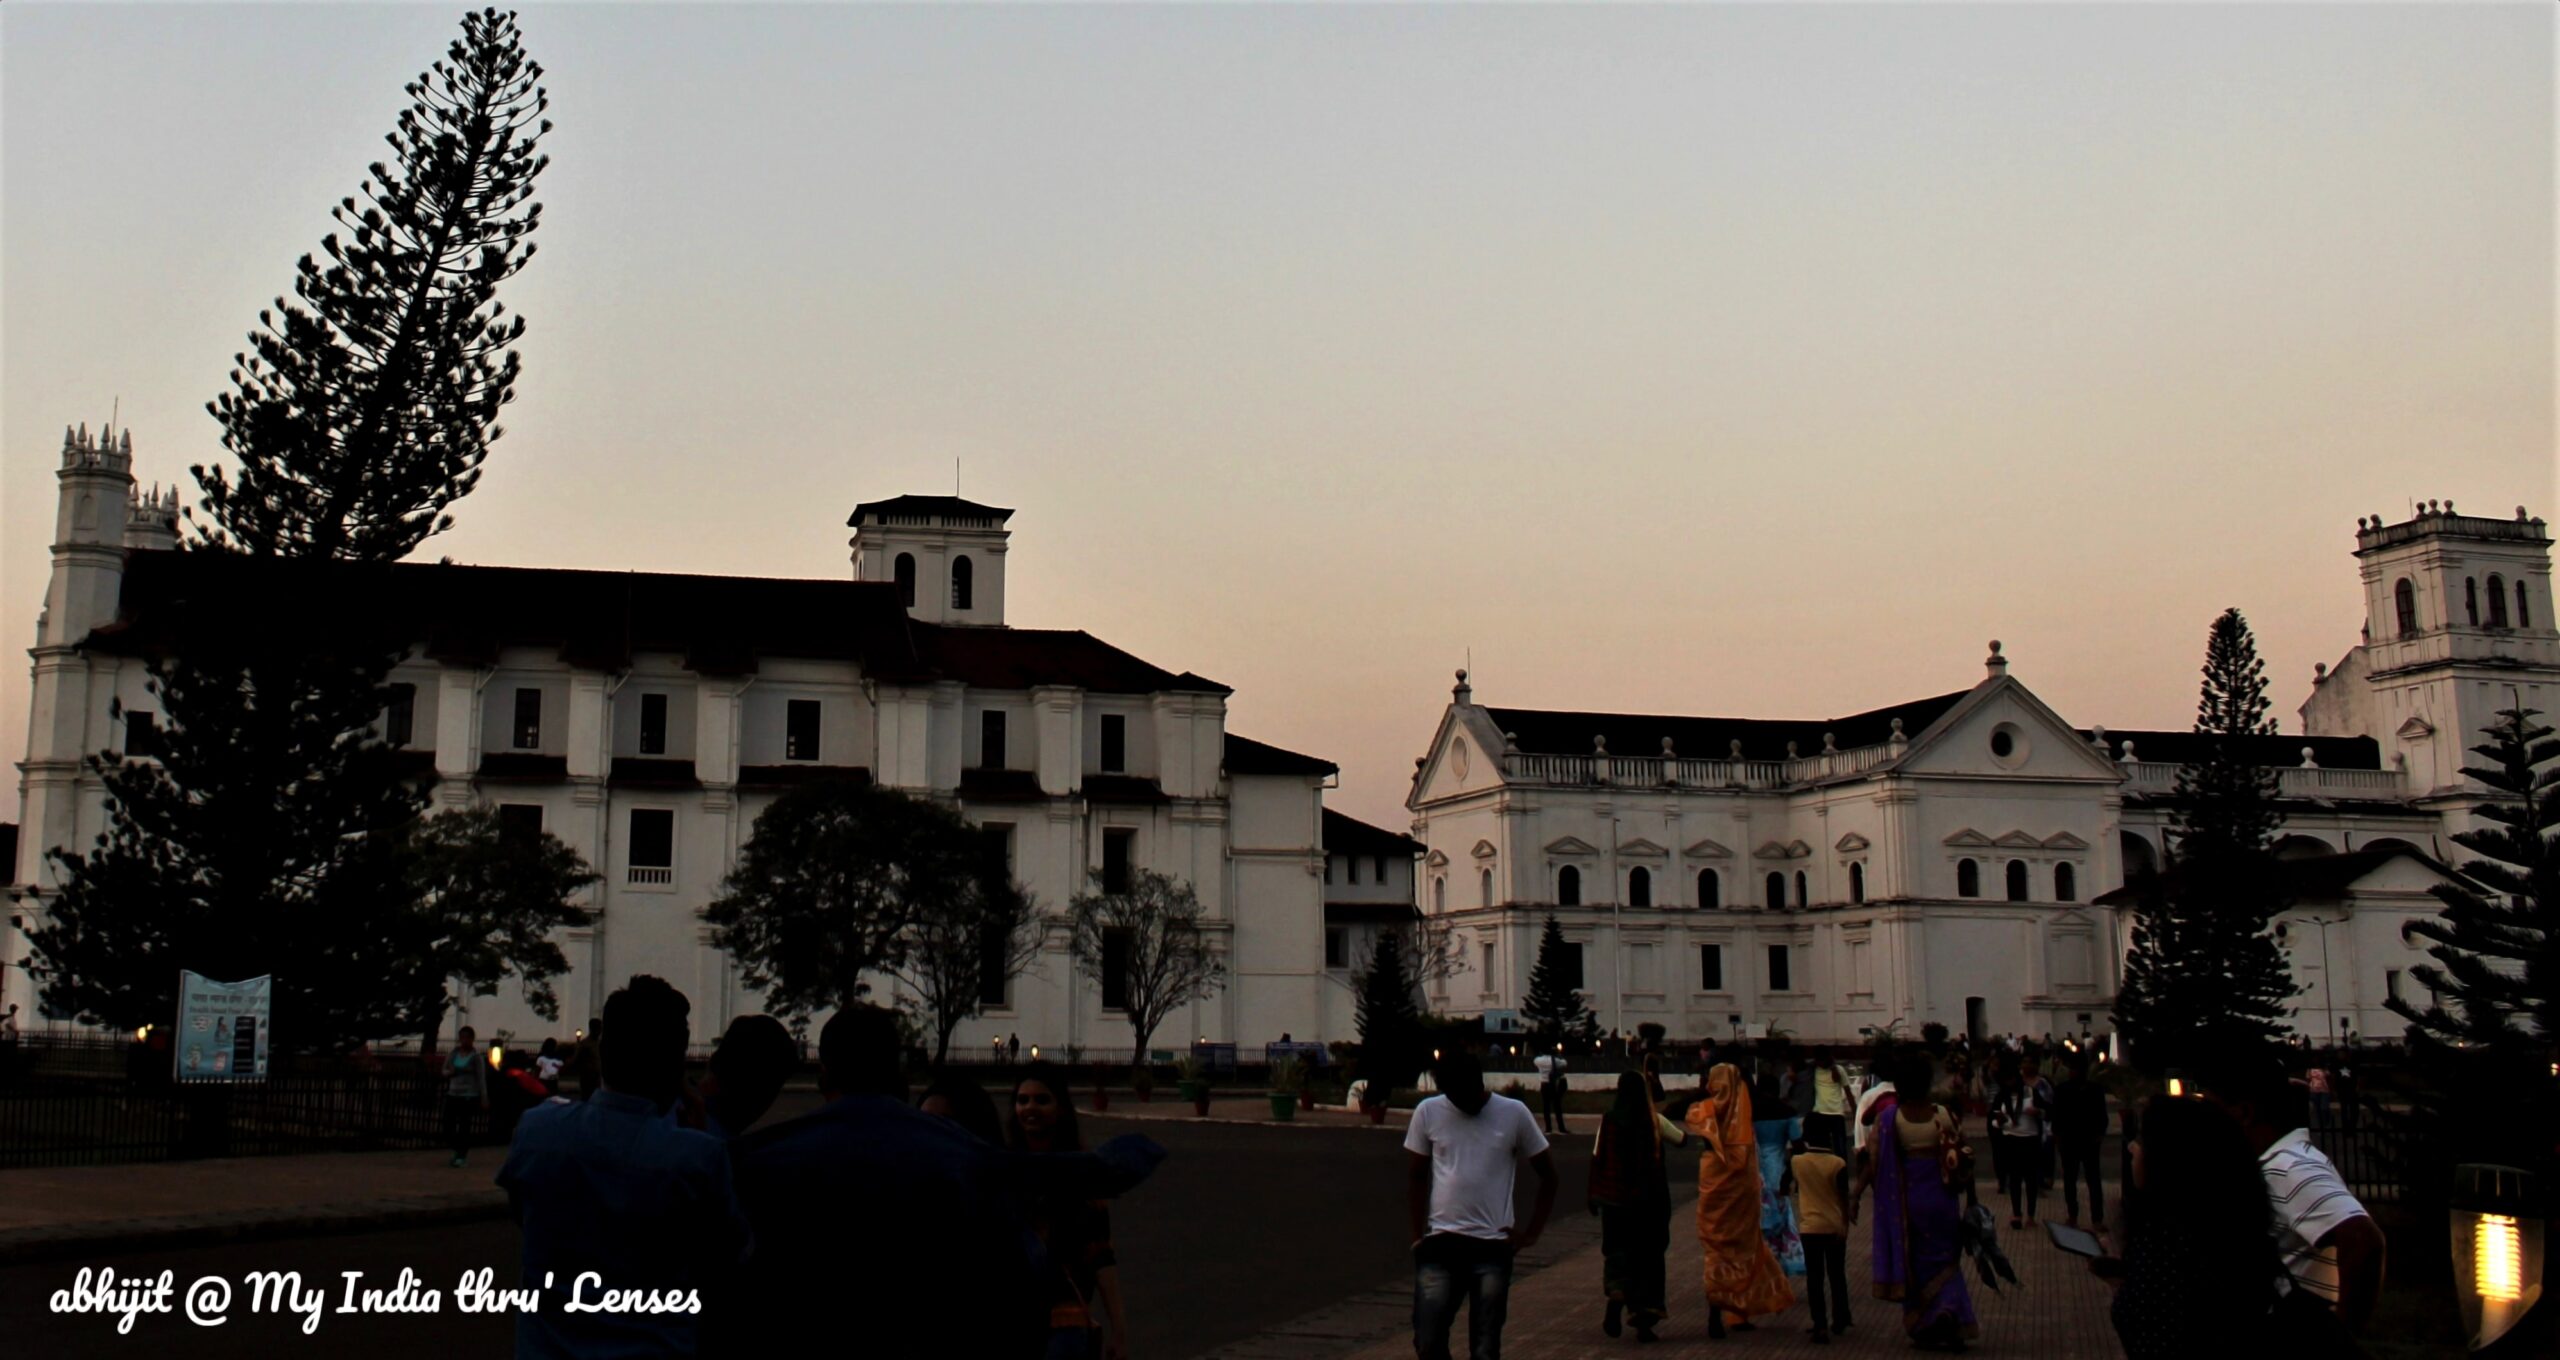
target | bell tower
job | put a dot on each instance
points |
(945, 555)
(2459, 625)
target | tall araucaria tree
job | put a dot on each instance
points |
(276, 830)
(2489, 1039)
(2204, 974)
(1553, 1009)
(1388, 1015)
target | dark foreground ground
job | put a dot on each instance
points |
(1243, 1228)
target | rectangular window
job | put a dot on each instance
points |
(1337, 947)
(1571, 966)
(141, 733)
(994, 988)
(1379, 864)
(991, 739)
(2391, 983)
(1115, 969)
(653, 724)
(653, 845)
(800, 730)
(1642, 975)
(1115, 743)
(1779, 979)
(400, 716)
(1328, 870)
(1487, 948)
(528, 719)
(1711, 968)
(1001, 835)
(1117, 843)
(1353, 863)
(1858, 982)
(520, 824)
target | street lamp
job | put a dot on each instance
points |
(2497, 1249)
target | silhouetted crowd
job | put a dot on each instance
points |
(655, 1223)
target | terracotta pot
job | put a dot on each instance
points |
(1377, 1113)
(1101, 1097)
(1200, 1106)
(1306, 1100)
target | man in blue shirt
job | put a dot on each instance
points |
(629, 1220)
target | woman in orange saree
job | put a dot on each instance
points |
(1742, 1277)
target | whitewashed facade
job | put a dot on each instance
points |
(646, 720)
(1958, 859)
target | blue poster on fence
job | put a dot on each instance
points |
(222, 1028)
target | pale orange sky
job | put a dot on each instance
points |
(1754, 360)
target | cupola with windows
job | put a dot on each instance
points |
(945, 555)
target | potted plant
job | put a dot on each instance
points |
(1191, 1077)
(1288, 1084)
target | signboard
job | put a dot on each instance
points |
(1504, 1022)
(222, 1028)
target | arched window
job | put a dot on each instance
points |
(1639, 887)
(1968, 878)
(963, 583)
(2138, 858)
(2404, 599)
(2524, 616)
(1857, 883)
(1710, 890)
(1777, 891)
(1439, 894)
(2471, 601)
(1484, 887)
(903, 571)
(2497, 602)
(1568, 887)
(1800, 897)
(2066, 885)
(2017, 880)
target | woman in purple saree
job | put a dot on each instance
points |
(1917, 1261)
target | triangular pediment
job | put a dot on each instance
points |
(1851, 843)
(2071, 921)
(1465, 756)
(1968, 836)
(2064, 840)
(2416, 729)
(1571, 845)
(1641, 847)
(1484, 850)
(1437, 859)
(1707, 849)
(1770, 850)
(1798, 850)
(2019, 840)
(2041, 745)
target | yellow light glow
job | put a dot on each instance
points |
(2177, 1087)
(2497, 1258)
(1035, 1053)
(497, 1055)
(142, 1034)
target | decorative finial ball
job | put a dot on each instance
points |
(1897, 727)
(1666, 746)
(2519, 512)
(1995, 646)
(2319, 671)
(1600, 745)
(1462, 675)
(2448, 506)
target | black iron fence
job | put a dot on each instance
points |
(54, 1120)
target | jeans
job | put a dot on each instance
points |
(1826, 1262)
(2080, 1159)
(1449, 1269)
(461, 1122)
(1551, 1105)
(2020, 1162)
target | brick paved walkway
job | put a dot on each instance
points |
(2057, 1311)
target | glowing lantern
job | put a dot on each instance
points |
(2497, 1249)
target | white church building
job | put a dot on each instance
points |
(1962, 858)
(646, 719)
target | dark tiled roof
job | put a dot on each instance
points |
(2184, 748)
(795, 775)
(1244, 755)
(523, 765)
(1122, 788)
(599, 619)
(641, 770)
(1553, 732)
(1001, 786)
(1347, 835)
(949, 507)
(1019, 658)
(1368, 913)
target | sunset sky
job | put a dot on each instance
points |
(1753, 360)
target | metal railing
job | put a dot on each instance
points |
(48, 1120)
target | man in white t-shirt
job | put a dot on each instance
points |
(2331, 1247)
(1464, 1149)
(1551, 1089)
